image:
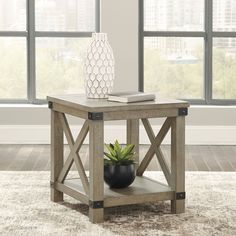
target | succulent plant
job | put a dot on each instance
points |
(117, 155)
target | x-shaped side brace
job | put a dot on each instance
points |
(74, 149)
(155, 149)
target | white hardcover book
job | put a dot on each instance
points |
(128, 97)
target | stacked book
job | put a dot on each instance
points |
(128, 97)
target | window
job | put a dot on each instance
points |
(188, 49)
(42, 46)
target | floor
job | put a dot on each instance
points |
(198, 158)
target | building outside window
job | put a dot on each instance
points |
(189, 49)
(42, 47)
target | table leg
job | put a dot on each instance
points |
(133, 137)
(96, 171)
(178, 164)
(56, 154)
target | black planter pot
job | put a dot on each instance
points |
(119, 176)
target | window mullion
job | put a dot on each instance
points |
(141, 46)
(31, 51)
(224, 34)
(13, 34)
(62, 34)
(97, 15)
(208, 50)
(174, 34)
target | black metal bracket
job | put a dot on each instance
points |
(52, 184)
(95, 116)
(50, 105)
(180, 195)
(183, 111)
(95, 204)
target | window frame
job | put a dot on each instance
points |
(207, 35)
(30, 34)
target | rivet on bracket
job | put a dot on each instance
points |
(183, 111)
(95, 204)
(180, 195)
(50, 105)
(95, 116)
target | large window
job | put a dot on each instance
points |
(188, 49)
(42, 47)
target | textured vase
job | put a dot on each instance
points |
(99, 67)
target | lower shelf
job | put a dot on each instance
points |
(142, 190)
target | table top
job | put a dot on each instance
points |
(79, 101)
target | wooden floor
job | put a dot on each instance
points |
(198, 158)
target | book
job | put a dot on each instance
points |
(128, 97)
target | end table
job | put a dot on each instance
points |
(92, 190)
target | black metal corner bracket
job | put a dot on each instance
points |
(95, 204)
(183, 111)
(50, 105)
(95, 116)
(180, 195)
(52, 184)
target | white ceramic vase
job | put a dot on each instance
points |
(99, 67)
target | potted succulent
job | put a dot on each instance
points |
(119, 165)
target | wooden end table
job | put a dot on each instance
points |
(92, 190)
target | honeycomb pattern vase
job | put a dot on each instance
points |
(99, 67)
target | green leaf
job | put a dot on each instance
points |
(117, 146)
(111, 150)
(129, 157)
(110, 156)
(112, 146)
(118, 155)
(127, 150)
(118, 149)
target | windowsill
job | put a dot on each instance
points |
(46, 106)
(213, 106)
(23, 105)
